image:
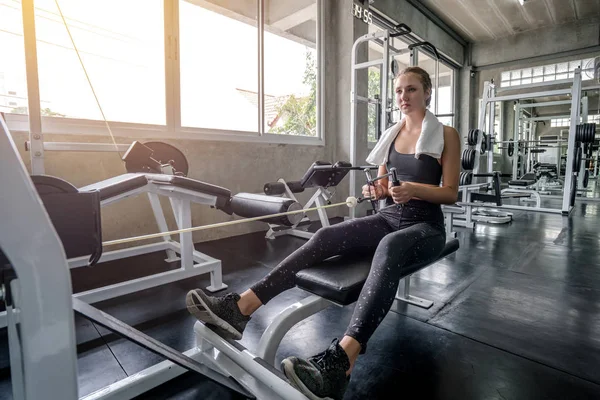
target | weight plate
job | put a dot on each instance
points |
(468, 159)
(165, 154)
(586, 178)
(573, 189)
(511, 149)
(577, 159)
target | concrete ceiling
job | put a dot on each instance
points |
(482, 20)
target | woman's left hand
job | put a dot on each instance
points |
(403, 193)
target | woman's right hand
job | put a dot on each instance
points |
(377, 192)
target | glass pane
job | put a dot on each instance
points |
(574, 64)
(122, 52)
(561, 76)
(525, 81)
(372, 125)
(537, 79)
(219, 66)
(291, 67)
(505, 76)
(549, 69)
(446, 97)
(515, 74)
(538, 71)
(562, 67)
(13, 82)
(447, 121)
(527, 72)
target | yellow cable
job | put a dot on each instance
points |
(89, 80)
(350, 202)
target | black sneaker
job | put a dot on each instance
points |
(222, 312)
(321, 377)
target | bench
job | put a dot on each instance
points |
(337, 281)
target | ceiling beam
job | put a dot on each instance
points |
(297, 18)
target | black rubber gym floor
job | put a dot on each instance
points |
(516, 316)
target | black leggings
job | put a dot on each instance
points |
(400, 235)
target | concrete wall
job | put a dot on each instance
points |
(237, 166)
(542, 42)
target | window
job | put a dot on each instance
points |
(181, 67)
(548, 73)
(124, 60)
(13, 81)
(219, 67)
(560, 122)
(445, 102)
(290, 56)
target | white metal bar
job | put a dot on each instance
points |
(515, 156)
(384, 82)
(246, 360)
(78, 262)
(511, 207)
(159, 216)
(14, 350)
(545, 104)
(320, 70)
(537, 84)
(143, 381)
(91, 147)
(575, 105)
(549, 118)
(261, 66)
(36, 136)
(284, 321)
(531, 95)
(30, 242)
(146, 282)
(368, 64)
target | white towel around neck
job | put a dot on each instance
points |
(430, 142)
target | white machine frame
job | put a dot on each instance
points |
(320, 198)
(193, 262)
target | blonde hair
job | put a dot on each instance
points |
(423, 77)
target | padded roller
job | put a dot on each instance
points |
(276, 188)
(250, 205)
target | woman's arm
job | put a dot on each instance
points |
(447, 193)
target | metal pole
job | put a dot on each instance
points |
(36, 137)
(261, 67)
(575, 105)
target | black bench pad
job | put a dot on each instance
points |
(521, 182)
(117, 185)
(341, 279)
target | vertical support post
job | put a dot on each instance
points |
(159, 216)
(516, 141)
(575, 108)
(36, 138)
(384, 81)
(184, 221)
(481, 125)
(261, 67)
(490, 132)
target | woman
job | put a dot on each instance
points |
(409, 230)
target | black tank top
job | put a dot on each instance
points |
(424, 169)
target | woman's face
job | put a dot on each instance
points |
(410, 95)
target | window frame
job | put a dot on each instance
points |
(172, 129)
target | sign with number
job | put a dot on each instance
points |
(362, 13)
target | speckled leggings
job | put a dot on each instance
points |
(400, 235)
